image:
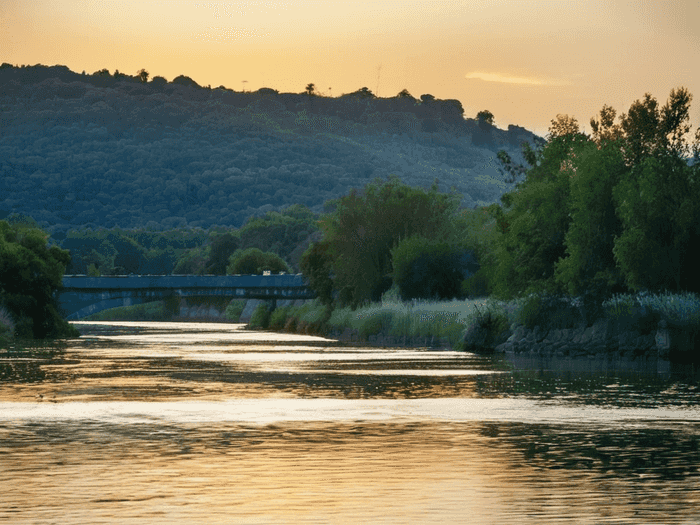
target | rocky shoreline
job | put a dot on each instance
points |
(604, 338)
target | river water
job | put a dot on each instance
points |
(210, 423)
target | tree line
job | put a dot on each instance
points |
(614, 211)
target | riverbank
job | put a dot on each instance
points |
(644, 326)
(662, 326)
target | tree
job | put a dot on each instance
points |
(143, 75)
(589, 266)
(427, 98)
(404, 94)
(365, 226)
(254, 261)
(317, 265)
(485, 116)
(659, 205)
(310, 89)
(31, 272)
(659, 201)
(535, 216)
(222, 247)
(424, 268)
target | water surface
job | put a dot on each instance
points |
(209, 423)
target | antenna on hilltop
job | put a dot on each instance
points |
(379, 70)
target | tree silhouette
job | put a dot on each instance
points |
(310, 89)
(143, 75)
(404, 94)
(485, 116)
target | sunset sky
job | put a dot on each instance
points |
(525, 61)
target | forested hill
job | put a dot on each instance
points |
(102, 150)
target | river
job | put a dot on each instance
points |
(211, 423)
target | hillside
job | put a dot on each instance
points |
(94, 150)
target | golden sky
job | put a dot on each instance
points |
(525, 61)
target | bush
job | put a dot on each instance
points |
(487, 328)
(677, 309)
(373, 323)
(278, 318)
(234, 310)
(260, 317)
(549, 311)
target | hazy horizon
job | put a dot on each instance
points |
(526, 62)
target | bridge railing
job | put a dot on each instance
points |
(135, 282)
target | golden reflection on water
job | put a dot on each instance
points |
(208, 423)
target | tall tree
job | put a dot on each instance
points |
(367, 225)
(30, 273)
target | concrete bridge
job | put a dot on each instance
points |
(82, 295)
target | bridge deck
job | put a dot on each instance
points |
(154, 282)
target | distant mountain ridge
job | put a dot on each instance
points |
(101, 150)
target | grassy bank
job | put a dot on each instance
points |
(447, 321)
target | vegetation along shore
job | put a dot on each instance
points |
(590, 249)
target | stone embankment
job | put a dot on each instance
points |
(603, 338)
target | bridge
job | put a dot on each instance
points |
(82, 295)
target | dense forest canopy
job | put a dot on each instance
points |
(613, 211)
(108, 150)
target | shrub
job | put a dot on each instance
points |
(487, 328)
(493, 318)
(374, 323)
(548, 311)
(278, 318)
(260, 317)
(677, 309)
(234, 310)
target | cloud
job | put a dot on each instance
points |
(506, 79)
(226, 34)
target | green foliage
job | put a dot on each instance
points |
(260, 317)
(589, 265)
(316, 265)
(279, 232)
(552, 312)
(476, 285)
(492, 318)
(425, 268)
(222, 247)
(30, 273)
(153, 311)
(659, 205)
(278, 318)
(677, 309)
(604, 214)
(366, 226)
(234, 310)
(139, 251)
(254, 262)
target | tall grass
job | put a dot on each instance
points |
(440, 319)
(679, 309)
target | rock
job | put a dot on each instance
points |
(518, 333)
